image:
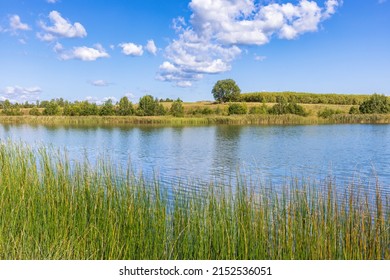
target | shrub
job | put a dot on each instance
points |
(237, 109)
(377, 104)
(259, 110)
(354, 110)
(34, 112)
(327, 112)
(287, 108)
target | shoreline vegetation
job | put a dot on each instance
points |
(286, 108)
(54, 209)
(287, 119)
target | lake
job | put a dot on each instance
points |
(267, 154)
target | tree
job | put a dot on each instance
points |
(147, 106)
(125, 107)
(107, 109)
(177, 109)
(226, 91)
(377, 104)
(51, 108)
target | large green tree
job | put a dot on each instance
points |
(226, 91)
(125, 107)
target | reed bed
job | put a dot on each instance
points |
(52, 208)
(205, 120)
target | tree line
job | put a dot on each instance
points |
(147, 106)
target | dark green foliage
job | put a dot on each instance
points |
(88, 109)
(354, 110)
(377, 104)
(287, 108)
(34, 111)
(11, 109)
(226, 91)
(107, 109)
(202, 111)
(259, 110)
(147, 106)
(327, 112)
(237, 109)
(160, 109)
(51, 108)
(304, 98)
(177, 109)
(218, 111)
(125, 107)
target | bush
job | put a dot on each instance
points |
(327, 112)
(34, 112)
(354, 110)
(377, 104)
(237, 109)
(287, 108)
(259, 110)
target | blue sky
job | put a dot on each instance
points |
(94, 50)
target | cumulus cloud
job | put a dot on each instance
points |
(131, 49)
(60, 27)
(83, 53)
(151, 47)
(217, 30)
(20, 94)
(16, 24)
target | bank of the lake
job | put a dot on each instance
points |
(202, 120)
(51, 208)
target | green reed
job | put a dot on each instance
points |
(201, 120)
(52, 208)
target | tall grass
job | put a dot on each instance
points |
(205, 120)
(51, 208)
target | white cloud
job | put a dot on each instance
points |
(151, 47)
(16, 24)
(20, 94)
(46, 37)
(184, 84)
(61, 28)
(52, 1)
(218, 29)
(100, 83)
(84, 53)
(131, 49)
(260, 58)
(58, 48)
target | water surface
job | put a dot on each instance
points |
(272, 154)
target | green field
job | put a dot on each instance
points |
(51, 208)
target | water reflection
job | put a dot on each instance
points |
(346, 153)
